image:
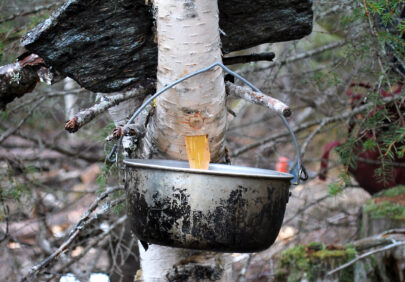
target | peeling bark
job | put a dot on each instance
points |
(107, 46)
(22, 76)
(258, 98)
(87, 115)
(15, 82)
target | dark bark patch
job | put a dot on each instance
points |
(190, 9)
(108, 45)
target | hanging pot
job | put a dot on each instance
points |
(224, 209)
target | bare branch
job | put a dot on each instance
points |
(304, 208)
(243, 271)
(85, 116)
(67, 152)
(49, 259)
(15, 81)
(310, 137)
(258, 98)
(267, 56)
(97, 239)
(21, 77)
(370, 253)
(94, 205)
(12, 130)
(306, 55)
(307, 125)
(82, 223)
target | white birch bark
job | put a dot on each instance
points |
(70, 99)
(188, 39)
(70, 102)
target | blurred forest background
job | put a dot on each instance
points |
(344, 82)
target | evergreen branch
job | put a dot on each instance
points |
(367, 161)
(398, 138)
(307, 125)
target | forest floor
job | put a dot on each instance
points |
(311, 216)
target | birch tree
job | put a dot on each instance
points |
(188, 39)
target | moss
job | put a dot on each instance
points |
(316, 246)
(389, 209)
(312, 261)
(324, 254)
(385, 210)
(393, 192)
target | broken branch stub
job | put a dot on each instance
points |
(258, 98)
(85, 116)
(107, 46)
(21, 77)
(15, 81)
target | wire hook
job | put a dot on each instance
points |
(301, 172)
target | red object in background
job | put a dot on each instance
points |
(325, 158)
(368, 161)
(364, 172)
(282, 164)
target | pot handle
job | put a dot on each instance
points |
(298, 170)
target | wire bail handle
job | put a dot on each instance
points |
(298, 170)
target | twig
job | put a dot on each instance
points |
(367, 161)
(267, 56)
(372, 252)
(49, 259)
(310, 137)
(258, 98)
(12, 130)
(26, 13)
(97, 239)
(307, 125)
(82, 223)
(6, 211)
(243, 271)
(21, 77)
(87, 115)
(58, 149)
(304, 208)
(93, 207)
(305, 55)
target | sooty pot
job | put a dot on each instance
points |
(225, 208)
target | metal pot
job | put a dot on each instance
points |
(225, 208)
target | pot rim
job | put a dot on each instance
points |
(214, 169)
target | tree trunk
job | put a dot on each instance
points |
(188, 39)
